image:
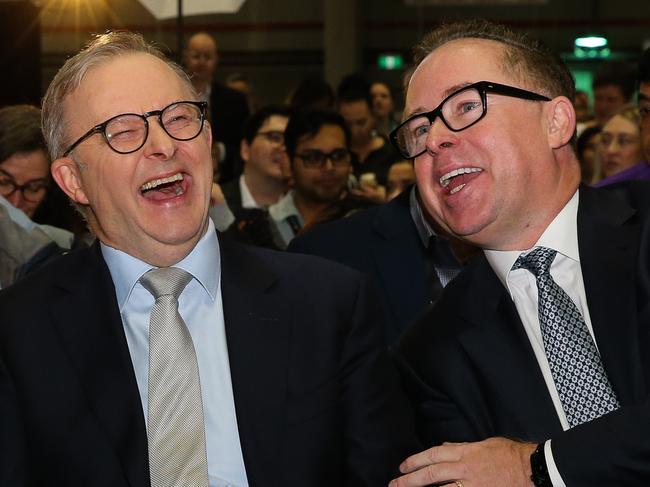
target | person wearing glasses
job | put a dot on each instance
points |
(531, 369)
(165, 355)
(264, 179)
(318, 145)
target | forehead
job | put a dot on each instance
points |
(379, 88)
(275, 122)
(455, 64)
(327, 136)
(130, 83)
(202, 43)
(620, 124)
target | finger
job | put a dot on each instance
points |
(439, 474)
(437, 454)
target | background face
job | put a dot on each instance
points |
(201, 57)
(321, 184)
(264, 156)
(146, 224)
(607, 101)
(621, 145)
(382, 101)
(24, 168)
(359, 120)
(644, 102)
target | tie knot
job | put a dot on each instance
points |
(165, 281)
(538, 261)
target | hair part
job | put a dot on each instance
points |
(100, 50)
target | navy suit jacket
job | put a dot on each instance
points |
(316, 398)
(383, 243)
(471, 372)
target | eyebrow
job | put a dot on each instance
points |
(445, 94)
(643, 97)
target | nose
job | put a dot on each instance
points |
(159, 144)
(440, 137)
(15, 198)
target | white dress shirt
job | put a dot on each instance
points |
(200, 306)
(247, 200)
(561, 235)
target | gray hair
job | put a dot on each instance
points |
(99, 50)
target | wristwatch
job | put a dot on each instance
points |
(540, 476)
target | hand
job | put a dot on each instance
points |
(495, 461)
(376, 194)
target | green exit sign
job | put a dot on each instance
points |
(390, 61)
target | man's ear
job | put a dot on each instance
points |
(66, 174)
(561, 120)
(244, 150)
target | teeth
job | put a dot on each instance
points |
(457, 189)
(446, 178)
(157, 182)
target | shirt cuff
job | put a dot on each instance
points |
(553, 472)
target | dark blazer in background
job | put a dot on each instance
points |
(383, 243)
(228, 112)
(232, 193)
(471, 372)
(316, 397)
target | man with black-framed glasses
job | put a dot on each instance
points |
(531, 364)
(166, 355)
(318, 145)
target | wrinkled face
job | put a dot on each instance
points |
(644, 108)
(266, 154)
(608, 100)
(152, 203)
(486, 183)
(201, 57)
(359, 119)
(29, 170)
(382, 101)
(321, 184)
(400, 176)
(621, 145)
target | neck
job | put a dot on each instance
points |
(309, 209)
(266, 190)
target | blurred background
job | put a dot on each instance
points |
(276, 43)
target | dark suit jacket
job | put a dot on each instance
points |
(383, 243)
(232, 193)
(471, 372)
(229, 111)
(315, 396)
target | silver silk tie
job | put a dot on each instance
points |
(580, 378)
(176, 432)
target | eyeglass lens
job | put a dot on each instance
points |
(127, 133)
(31, 190)
(317, 158)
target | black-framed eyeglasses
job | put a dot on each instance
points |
(274, 136)
(31, 191)
(460, 110)
(127, 132)
(318, 158)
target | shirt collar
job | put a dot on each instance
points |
(425, 231)
(285, 208)
(561, 235)
(202, 262)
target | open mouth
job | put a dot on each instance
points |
(163, 188)
(455, 180)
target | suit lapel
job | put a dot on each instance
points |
(499, 346)
(608, 245)
(96, 345)
(401, 262)
(258, 349)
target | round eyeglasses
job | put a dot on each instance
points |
(317, 158)
(31, 191)
(128, 132)
(460, 110)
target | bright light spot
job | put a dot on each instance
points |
(591, 42)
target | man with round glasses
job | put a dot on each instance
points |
(540, 339)
(166, 355)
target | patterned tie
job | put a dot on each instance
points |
(580, 379)
(176, 434)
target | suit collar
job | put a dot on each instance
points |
(258, 349)
(94, 339)
(608, 240)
